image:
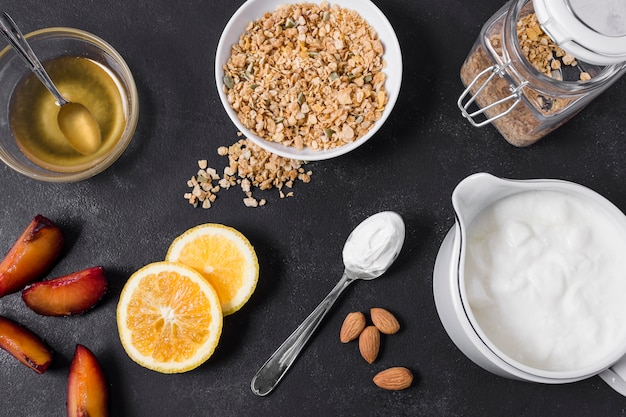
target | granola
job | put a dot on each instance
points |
(249, 166)
(541, 51)
(529, 120)
(307, 76)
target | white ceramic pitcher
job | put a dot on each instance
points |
(473, 195)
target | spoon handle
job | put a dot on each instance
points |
(15, 37)
(270, 374)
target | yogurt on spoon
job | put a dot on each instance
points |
(369, 251)
(374, 244)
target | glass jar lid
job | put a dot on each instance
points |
(593, 31)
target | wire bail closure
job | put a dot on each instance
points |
(516, 95)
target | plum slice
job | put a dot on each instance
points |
(24, 345)
(31, 256)
(87, 391)
(70, 294)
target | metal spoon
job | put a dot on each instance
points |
(367, 254)
(76, 122)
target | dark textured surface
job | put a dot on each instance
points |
(126, 217)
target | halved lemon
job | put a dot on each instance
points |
(169, 317)
(224, 257)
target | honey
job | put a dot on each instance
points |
(33, 112)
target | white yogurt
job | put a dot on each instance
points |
(374, 244)
(545, 276)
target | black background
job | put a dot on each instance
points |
(126, 217)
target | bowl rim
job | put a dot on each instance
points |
(257, 8)
(132, 115)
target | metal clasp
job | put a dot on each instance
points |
(516, 95)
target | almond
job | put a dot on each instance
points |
(352, 326)
(394, 379)
(369, 343)
(384, 321)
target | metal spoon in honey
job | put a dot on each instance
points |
(76, 122)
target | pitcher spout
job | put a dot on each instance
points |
(470, 198)
(476, 192)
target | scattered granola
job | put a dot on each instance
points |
(250, 166)
(307, 75)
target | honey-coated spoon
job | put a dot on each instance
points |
(75, 121)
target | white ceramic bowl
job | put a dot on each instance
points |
(253, 10)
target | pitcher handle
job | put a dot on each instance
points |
(615, 376)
